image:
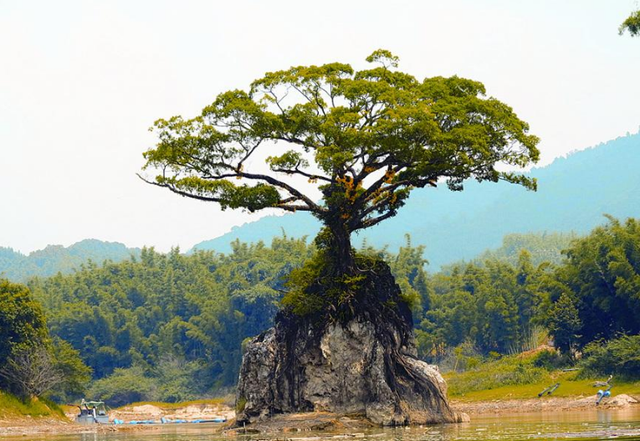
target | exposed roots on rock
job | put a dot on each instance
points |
(356, 358)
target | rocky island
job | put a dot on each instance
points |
(365, 366)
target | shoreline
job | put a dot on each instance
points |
(544, 404)
(303, 422)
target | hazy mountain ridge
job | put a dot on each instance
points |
(57, 258)
(574, 193)
(542, 247)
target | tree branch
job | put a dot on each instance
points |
(297, 171)
(366, 223)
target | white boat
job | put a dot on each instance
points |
(92, 412)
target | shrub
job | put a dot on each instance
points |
(124, 386)
(551, 360)
(620, 356)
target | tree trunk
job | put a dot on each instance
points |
(339, 248)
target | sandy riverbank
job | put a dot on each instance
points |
(27, 425)
(316, 421)
(545, 404)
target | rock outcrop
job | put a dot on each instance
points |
(365, 365)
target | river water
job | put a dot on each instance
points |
(592, 424)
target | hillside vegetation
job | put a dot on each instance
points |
(170, 327)
(524, 376)
(13, 406)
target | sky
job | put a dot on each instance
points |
(82, 81)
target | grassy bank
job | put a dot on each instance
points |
(10, 406)
(524, 376)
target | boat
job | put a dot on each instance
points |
(92, 412)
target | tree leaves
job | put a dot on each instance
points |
(341, 125)
(631, 24)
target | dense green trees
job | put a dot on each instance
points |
(162, 312)
(492, 306)
(171, 326)
(619, 356)
(591, 295)
(22, 323)
(595, 293)
(25, 363)
(31, 364)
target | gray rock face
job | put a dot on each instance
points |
(345, 368)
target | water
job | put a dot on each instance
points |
(583, 425)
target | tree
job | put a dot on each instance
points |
(31, 371)
(75, 375)
(564, 323)
(602, 275)
(631, 24)
(22, 324)
(366, 138)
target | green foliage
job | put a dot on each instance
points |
(240, 404)
(366, 138)
(30, 407)
(594, 294)
(619, 356)
(174, 324)
(315, 289)
(22, 325)
(631, 24)
(564, 323)
(124, 386)
(74, 373)
(408, 270)
(298, 298)
(178, 322)
(460, 358)
(177, 379)
(351, 124)
(22, 322)
(169, 313)
(32, 363)
(551, 360)
(492, 306)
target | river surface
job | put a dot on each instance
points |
(564, 425)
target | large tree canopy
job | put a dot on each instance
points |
(366, 138)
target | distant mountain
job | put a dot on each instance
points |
(573, 194)
(56, 258)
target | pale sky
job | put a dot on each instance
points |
(81, 82)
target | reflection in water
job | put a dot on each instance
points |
(604, 416)
(595, 424)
